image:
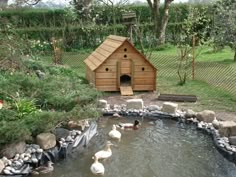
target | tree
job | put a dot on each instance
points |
(160, 19)
(195, 26)
(4, 3)
(201, 1)
(114, 6)
(83, 9)
(224, 29)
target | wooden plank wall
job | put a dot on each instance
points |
(106, 76)
(90, 75)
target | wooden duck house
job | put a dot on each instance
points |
(116, 65)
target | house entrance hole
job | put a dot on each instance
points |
(125, 80)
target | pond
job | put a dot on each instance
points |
(163, 148)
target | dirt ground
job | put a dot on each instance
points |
(150, 98)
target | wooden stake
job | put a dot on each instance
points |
(193, 60)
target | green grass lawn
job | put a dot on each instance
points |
(204, 53)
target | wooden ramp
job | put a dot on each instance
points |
(126, 90)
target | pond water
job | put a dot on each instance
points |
(161, 149)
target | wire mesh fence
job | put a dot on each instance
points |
(216, 74)
(219, 75)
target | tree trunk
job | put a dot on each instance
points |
(155, 9)
(3, 3)
(165, 18)
(160, 23)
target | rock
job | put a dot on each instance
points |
(169, 107)
(40, 74)
(190, 113)
(134, 104)
(206, 116)
(153, 108)
(232, 140)
(2, 166)
(61, 133)
(227, 128)
(13, 149)
(102, 103)
(46, 140)
(215, 123)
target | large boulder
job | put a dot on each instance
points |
(46, 140)
(61, 133)
(169, 107)
(189, 113)
(227, 128)
(134, 104)
(232, 140)
(102, 104)
(2, 166)
(11, 150)
(206, 116)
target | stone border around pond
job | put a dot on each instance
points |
(21, 159)
(223, 133)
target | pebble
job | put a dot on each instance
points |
(34, 160)
(33, 150)
(39, 150)
(7, 172)
(69, 139)
(17, 163)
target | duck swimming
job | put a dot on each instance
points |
(44, 169)
(104, 154)
(97, 168)
(134, 125)
(114, 134)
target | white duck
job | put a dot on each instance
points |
(115, 134)
(104, 154)
(215, 123)
(97, 168)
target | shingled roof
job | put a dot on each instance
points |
(105, 50)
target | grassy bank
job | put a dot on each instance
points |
(35, 104)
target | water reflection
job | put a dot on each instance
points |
(161, 149)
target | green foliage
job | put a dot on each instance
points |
(42, 122)
(13, 131)
(163, 47)
(33, 105)
(34, 17)
(224, 29)
(7, 115)
(25, 107)
(66, 24)
(86, 111)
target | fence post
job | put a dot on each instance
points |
(193, 60)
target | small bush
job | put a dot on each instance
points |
(163, 47)
(61, 95)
